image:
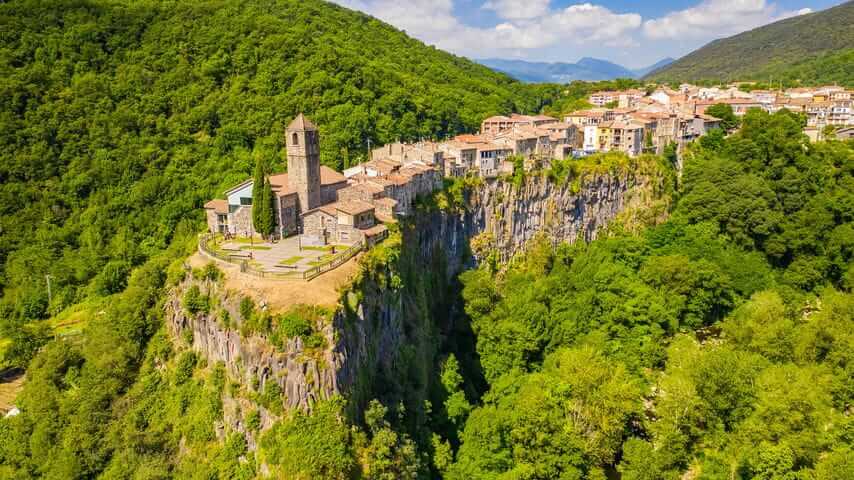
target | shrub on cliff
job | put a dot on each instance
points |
(316, 445)
(194, 302)
(301, 321)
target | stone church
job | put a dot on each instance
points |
(306, 199)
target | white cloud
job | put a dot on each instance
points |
(518, 9)
(592, 22)
(534, 29)
(528, 25)
(715, 19)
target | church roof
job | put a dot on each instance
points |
(300, 123)
(281, 186)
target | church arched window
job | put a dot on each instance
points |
(295, 139)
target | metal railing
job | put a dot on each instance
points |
(334, 262)
(337, 260)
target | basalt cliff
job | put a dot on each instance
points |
(404, 301)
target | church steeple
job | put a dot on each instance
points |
(303, 143)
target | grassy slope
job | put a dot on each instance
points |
(769, 50)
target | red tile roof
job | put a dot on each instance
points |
(219, 206)
(352, 207)
(375, 230)
(328, 176)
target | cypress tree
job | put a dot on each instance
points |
(262, 201)
(268, 222)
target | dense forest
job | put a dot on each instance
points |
(810, 49)
(120, 118)
(717, 345)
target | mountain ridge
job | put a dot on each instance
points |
(772, 50)
(587, 69)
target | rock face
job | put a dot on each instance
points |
(369, 330)
(511, 216)
(303, 376)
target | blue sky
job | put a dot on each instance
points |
(634, 34)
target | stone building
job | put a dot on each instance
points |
(305, 188)
(426, 153)
(499, 123)
(322, 205)
(344, 223)
(460, 157)
(397, 184)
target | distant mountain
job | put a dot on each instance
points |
(587, 68)
(608, 69)
(788, 49)
(640, 72)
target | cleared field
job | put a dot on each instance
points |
(281, 295)
(9, 389)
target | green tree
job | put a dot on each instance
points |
(457, 406)
(315, 445)
(558, 423)
(724, 112)
(263, 215)
(390, 455)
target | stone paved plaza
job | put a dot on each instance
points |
(286, 255)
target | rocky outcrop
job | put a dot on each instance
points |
(303, 375)
(513, 215)
(380, 313)
(509, 216)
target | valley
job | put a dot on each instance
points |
(276, 239)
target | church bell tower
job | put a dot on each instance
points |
(303, 142)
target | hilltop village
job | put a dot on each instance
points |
(327, 207)
(683, 111)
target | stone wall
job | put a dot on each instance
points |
(240, 221)
(353, 193)
(286, 212)
(329, 193)
(213, 223)
(319, 227)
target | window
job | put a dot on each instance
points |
(295, 139)
(222, 219)
(246, 200)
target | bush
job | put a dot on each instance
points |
(184, 368)
(293, 325)
(211, 272)
(271, 397)
(315, 340)
(253, 421)
(247, 308)
(112, 279)
(194, 302)
(176, 273)
(316, 445)
(302, 321)
(260, 322)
